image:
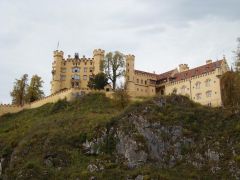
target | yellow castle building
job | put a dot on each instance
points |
(74, 72)
(70, 78)
(200, 84)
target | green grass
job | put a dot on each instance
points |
(58, 130)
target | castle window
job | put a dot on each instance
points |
(199, 96)
(137, 80)
(85, 69)
(63, 77)
(183, 90)
(141, 81)
(63, 70)
(75, 77)
(208, 82)
(209, 93)
(198, 85)
(75, 69)
(145, 82)
(90, 69)
(84, 77)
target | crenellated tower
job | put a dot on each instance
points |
(56, 71)
(98, 57)
(130, 73)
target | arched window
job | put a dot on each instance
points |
(208, 82)
(198, 85)
(209, 93)
(199, 96)
(183, 89)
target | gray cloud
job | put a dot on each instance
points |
(160, 33)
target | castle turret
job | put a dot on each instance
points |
(98, 56)
(129, 77)
(56, 71)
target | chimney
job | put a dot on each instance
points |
(208, 61)
(183, 67)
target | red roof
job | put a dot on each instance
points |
(147, 73)
(166, 75)
(197, 71)
(186, 74)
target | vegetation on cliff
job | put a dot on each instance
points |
(160, 138)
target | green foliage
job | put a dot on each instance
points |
(230, 88)
(114, 66)
(98, 81)
(121, 97)
(47, 141)
(34, 91)
(24, 93)
(237, 57)
(60, 105)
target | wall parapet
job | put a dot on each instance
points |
(68, 94)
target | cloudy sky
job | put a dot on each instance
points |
(161, 34)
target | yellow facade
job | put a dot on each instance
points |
(201, 84)
(74, 72)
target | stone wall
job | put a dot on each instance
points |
(69, 94)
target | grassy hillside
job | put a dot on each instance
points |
(50, 142)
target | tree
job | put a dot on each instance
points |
(19, 90)
(114, 66)
(98, 81)
(34, 91)
(121, 97)
(237, 57)
(230, 88)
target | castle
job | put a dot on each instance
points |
(70, 78)
(74, 72)
(200, 84)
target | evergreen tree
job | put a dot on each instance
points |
(99, 81)
(19, 90)
(114, 66)
(34, 91)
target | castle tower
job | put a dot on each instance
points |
(129, 77)
(56, 71)
(98, 57)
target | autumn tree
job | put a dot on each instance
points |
(19, 90)
(99, 81)
(237, 57)
(114, 66)
(230, 87)
(34, 90)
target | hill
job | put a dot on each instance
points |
(94, 138)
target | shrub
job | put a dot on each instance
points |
(58, 106)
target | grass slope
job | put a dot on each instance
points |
(57, 130)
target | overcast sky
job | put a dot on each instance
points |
(161, 34)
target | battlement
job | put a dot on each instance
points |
(58, 53)
(97, 52)
(130, 57)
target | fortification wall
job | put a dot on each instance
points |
(7, 108)
(69, 94)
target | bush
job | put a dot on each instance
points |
(58, 106)
(121, 98)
